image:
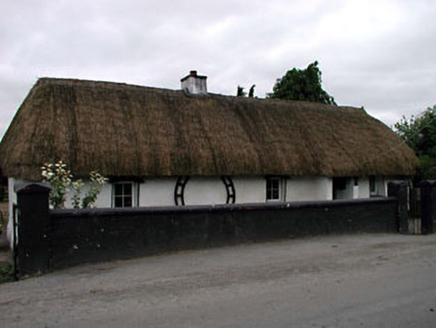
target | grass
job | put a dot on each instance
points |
(4, 213)
(6, 274)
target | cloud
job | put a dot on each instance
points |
(378, 54)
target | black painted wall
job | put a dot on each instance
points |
(33, 254)
(428, 206)
(79, 236)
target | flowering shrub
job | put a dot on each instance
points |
(77, 186)
(96, 183)
(60, 178)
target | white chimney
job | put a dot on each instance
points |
(194, 84)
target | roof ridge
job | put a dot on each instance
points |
(83, 82)
(100, 83)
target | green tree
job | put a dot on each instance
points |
(302, 84)
(251, 92)
(240, 92)
(420, 134)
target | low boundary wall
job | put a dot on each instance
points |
(107, 234)
(52, 239)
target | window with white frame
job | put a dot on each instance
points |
(275, 189)
(123, 194)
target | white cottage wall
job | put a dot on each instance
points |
(211, 190)
(157, 192)
(363, 187)
(12, 200)
(324, 190)
(250, 189)
(205, 191)
(308, 188)
(104, 199)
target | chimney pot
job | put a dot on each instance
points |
(194, 84)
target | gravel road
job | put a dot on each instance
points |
(374, 280)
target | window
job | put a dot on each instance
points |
(275, 189)
(123, 194)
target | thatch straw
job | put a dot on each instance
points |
(126, 130)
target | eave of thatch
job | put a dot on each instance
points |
(126, 130)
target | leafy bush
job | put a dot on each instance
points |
(6, 274)
(60, 179)
(420, 134)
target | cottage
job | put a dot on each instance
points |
(164, 147)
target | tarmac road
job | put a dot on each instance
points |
(374, 280)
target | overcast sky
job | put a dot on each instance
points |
(374, 53)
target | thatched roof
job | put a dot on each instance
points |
(127, 130)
